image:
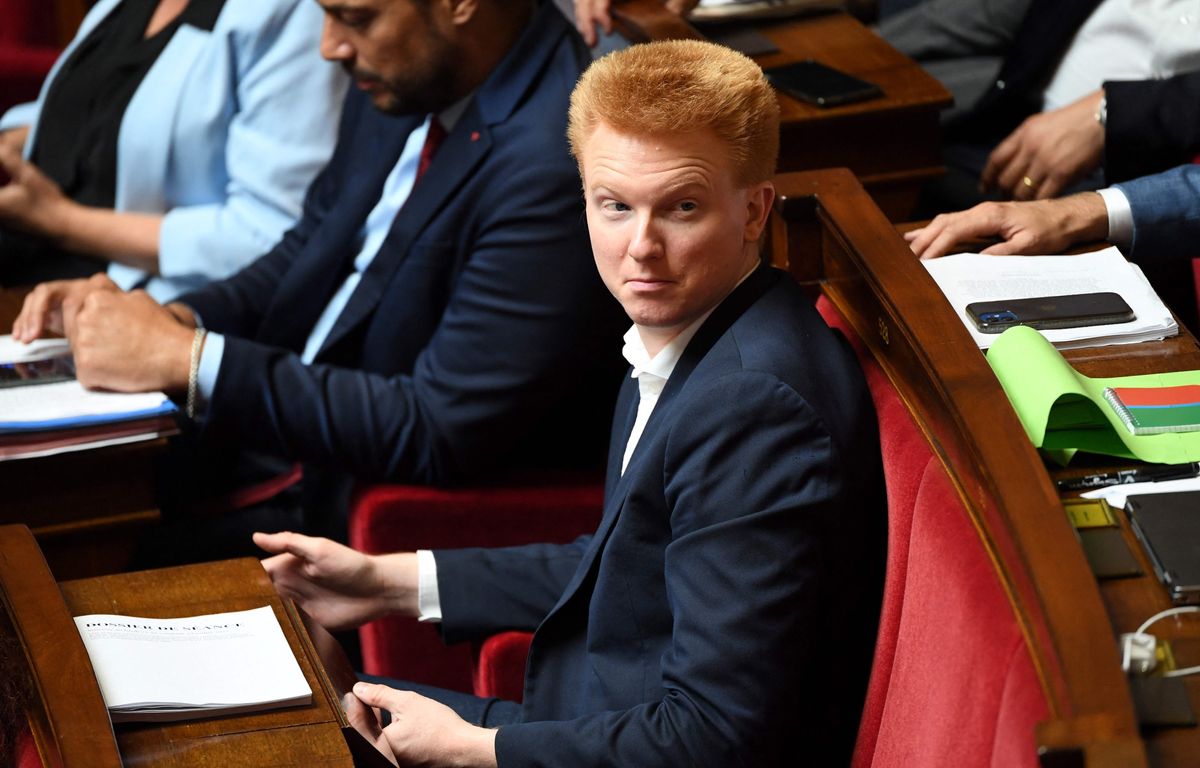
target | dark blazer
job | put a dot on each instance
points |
(1151, 125)
(724, 613)
(473, 341)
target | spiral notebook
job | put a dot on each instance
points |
(1156, 410)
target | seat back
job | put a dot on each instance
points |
(952, 682)
(391, 518)
(28, 23)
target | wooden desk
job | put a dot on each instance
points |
(66, 711)
(836, 240)
(88, 508)
(891, 144)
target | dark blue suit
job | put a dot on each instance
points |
(473, 341)
(724, 613)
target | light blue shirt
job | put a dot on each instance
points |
(396, 189)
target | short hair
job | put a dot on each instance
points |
(680, 86)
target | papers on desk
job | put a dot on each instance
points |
(729, 10)
(1115, 494)
(65, 404)
(202, 666)
(970, 277)
(12, 351)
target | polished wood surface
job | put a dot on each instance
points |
(890, 143)
(840, 243)
(88, 508)
(69, 714)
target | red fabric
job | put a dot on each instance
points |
(31, 22)
(22, 70)
(500, 665)
(962, 689)
(952, 682)
(390, 518)
(27, 753)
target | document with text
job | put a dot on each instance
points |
(969, 277)
(187, 668)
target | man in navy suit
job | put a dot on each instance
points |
(724, 612)
(432, 318)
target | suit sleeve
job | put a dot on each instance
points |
(1166, 214)
(757, 533)
(286, 99)
(514, 333)
(1152, 125)
(488, 590)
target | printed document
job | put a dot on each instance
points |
(969, 277)
(200, 666)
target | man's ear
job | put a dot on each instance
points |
(758, 207)
(462, 11)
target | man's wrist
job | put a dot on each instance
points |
(397, 576)
(1083, 217)
(478, 749)
(183, 313)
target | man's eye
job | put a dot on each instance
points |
(688, 206)
(615, 207)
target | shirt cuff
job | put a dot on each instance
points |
(210, 366)
(1120, 218)
(429, 603)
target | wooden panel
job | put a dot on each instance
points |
(308, 735)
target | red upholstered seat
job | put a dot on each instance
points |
(26, 752)
(27, 49)
(952, 683)
(390, 518)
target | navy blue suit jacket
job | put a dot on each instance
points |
(724, 613)
(1152, 125)
(1166, 215)
(473, 340)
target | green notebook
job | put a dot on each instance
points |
(1154, 410)
(1064, 411)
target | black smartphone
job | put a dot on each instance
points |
(45, 371)
(819, 84)
(1073, 310)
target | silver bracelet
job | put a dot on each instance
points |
(194, 371)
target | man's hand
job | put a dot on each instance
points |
(14, 139)
(365, 720)
(1048, 152)
(424, 732)
(126, 342)
(589, 13)
(340, 587)
(30, 201)
(42, 314)
(1041, 227)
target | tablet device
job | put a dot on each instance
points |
(819, 84)
(1168, 525)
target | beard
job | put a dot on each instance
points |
(423, 87)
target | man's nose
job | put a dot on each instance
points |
(647, 240)
(333, 46)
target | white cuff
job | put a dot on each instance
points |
(210, 366)
(1120, 218)
(429, 603)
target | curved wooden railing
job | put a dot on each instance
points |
(831, 235)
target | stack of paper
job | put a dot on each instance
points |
(727, 10)
(200, 666)
(969, 277)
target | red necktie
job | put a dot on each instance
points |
(433, 140)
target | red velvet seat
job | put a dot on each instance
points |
(27, 49)
(390, 518)
(952, 683)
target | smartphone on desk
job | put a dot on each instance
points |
(819, 84)
(1073, 310)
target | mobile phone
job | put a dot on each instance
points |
(819, 84)
(1073, 310)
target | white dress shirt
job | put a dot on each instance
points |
(1127, 40)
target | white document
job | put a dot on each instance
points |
(1115, 494)
(200, 666)
(42, 349)
(67, 403)
(969, 277)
